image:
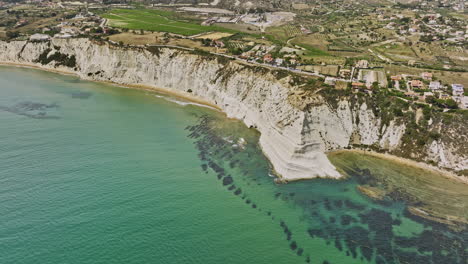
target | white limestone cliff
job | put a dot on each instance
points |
(295, 140)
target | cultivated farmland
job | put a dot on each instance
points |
(156, 20)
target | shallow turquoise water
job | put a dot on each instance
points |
(92, 173)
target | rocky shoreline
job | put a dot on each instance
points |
(294, 139)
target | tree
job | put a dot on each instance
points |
(430, 100)
(450, 103)
(12, 34)
(375, 85)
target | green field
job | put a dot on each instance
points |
(156, 20)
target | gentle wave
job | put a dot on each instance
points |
(183, 103)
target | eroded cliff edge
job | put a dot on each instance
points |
(299, 119)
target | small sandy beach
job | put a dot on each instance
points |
(181, 95)
(408, 162)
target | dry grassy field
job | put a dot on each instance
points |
(157, 38)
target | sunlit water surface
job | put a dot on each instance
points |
(92, 173)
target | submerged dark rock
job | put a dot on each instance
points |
(238, 191)
(293, 245)
(31, 110)
(347, 219)
(300, 251)
(81, 95)
(227, 180)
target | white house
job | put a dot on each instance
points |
(279, 61)
(428, 94)
(435, 86)
(62, 35)
(457, 89)
(39, 37)
(463, 104)
(363, 64)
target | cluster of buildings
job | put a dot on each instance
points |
(53, 4)
(82, 23)
(5, 5)
(272, 55)
(432, 27)
(364, 78)
(423, 86)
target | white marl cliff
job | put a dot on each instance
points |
(295, 140)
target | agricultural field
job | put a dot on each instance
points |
(318, 41)
(285, 32)
(397, 51)
(315, 46)
(157, 20)
(214, 35)
(158, 38)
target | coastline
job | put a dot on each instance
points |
(190, 98)
(167, 92)
(421, 165)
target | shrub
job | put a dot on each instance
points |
(434, 135)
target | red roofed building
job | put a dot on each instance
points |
(268, 58)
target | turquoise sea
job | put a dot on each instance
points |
(94, 173)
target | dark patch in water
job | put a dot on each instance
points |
(227, 180)
(338, 244)
(315, 232)
(293, 245)
(238, 191)
(354, 206)
(380, 260)
(338, 203)
(300, 251)
(347, 219)
(81, 95)
(31, 110)
(368, 237)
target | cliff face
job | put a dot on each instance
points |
(295, 131)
